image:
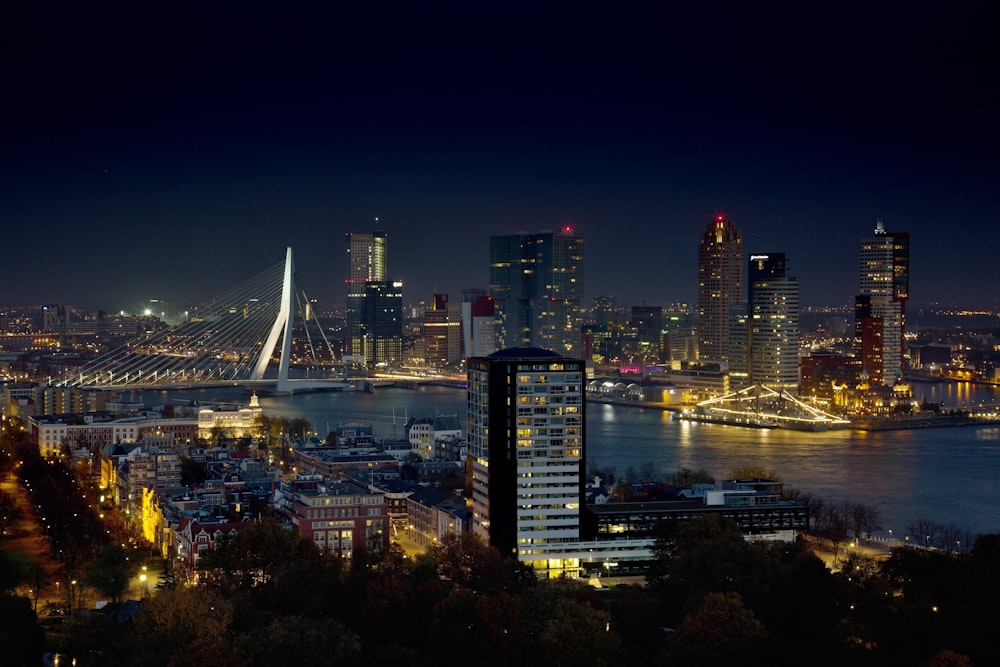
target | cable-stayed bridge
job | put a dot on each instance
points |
(233, 340)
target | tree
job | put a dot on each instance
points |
(720, 632)
(217, 433)
(754, 471)
(111, 571)
(606, 474)
(710, 555)
(469, 562)
(252, 558)
(864, 519)
(949, 537)
(170, 621)
(832, 524)
(299, 640)
(685, 478)
(623, 491)
(564, 626)
(923, 531)
(649, 472)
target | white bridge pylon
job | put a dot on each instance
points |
(229, 340)
(283, 321)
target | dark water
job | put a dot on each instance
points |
(947, 475)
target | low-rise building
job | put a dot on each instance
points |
(433, 513)
(338, 515)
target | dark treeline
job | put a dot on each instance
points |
(713, 598)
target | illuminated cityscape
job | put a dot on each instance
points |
(626, 356)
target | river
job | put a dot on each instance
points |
(948, 475)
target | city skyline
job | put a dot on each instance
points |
(150, 154)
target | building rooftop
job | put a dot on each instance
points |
(524, 353)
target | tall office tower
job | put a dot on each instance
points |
(442, 332)
(537, 283)
(604, 312)
(880, 307)
(470, 294)
(720, 286)
(773, 299)
(382, 323)
(478, 324)
(526, 432)
(651, 339)
(366, 262)
(739, 347)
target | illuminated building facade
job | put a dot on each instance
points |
(237, 423)
(338, 515)
(773, 335)
(366, 262)
(479, 326)
(880, 307)
(383, 323)
(526, 432)
(442, 332)
(720, 286)
(537, 283)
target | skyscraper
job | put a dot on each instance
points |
(382, 323)
(442, 332)
(880, 307)
(650, 337)
(366, 262)
(478, 324)
(537, 283)
(773, 299)
(720, 286)
(526, 437)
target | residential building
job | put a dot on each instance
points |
(526, 440)
(338, 515)
(424, 434)
(765, 349)
(433, 513)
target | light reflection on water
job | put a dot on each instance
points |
(947, 475)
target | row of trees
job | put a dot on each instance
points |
(737, 602)
(266, 597)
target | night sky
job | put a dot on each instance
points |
(173, 150)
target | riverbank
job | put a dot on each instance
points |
(943, 421)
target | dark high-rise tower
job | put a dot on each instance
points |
(383, 323)
(366, 262)
(773, 299)
(720, 286)
(880, 307)
(537, 283)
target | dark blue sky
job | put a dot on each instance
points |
(173, 152)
